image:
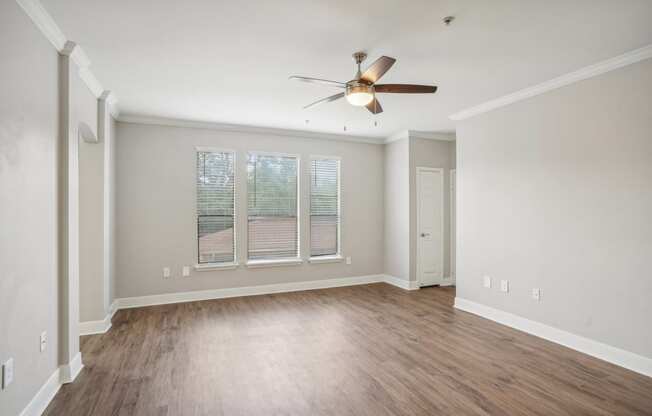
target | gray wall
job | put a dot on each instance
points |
(555, 192)
(28, 135)
(112, 207)
(156, 208)
(91, 215)
(430, 154)
(397, 209)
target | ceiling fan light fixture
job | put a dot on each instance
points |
(359, 95)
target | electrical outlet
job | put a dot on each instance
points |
(7, 373)
(348, 260)
(186, 271)
(486, 282)
(536, 293)
(166, 272)
(504, 285)
(44, 340)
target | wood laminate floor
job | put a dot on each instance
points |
(363, 350)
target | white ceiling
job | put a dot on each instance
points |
(228, 61)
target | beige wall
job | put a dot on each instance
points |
(28, 136)
(430, 154)
(555, 192)
(397, 209)
(156, 208)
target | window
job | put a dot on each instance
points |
(324, 207)
(273, 228)
(215, 207)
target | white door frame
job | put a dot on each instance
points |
(418, 196)
(452, 185)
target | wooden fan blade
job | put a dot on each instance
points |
(319, 81)
(405, 88)
(325, 100)
(378, 69)
(374, 106)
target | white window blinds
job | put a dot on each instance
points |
(272, 207)
(215, 207)
(324, 207)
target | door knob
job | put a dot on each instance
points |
(425, 234)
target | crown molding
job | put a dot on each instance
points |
(400, 135)
(419, 134)
(238, 128)
(42, 19)
(590, 71)
(431, 135)
(111, 102)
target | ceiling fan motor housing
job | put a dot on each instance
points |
(359, 92)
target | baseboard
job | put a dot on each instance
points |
(402, 283)
(44, 396)
(622, 358)
(69, 372)
(135, 302)
(64, 374)
(95, 327)
(99, 327)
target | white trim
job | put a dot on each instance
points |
(207, 267)
(626, 359)
(99, 327)
(402, 283)
(400, 135)
(338, 249)
(590, 71)
(420, 134)
(70, 371)
(452, 217)
(285, 261)
(325, 157)
(420, 169)
(326, 259)
(46, 24)
(42, 19)
(448, 281)
(256, 264)
(234, 263)
(213, 149)
(431, 135)
(135, 302)
(95, 327)
(112, 102)
(91, 82)
(240, 128)
(44, 396)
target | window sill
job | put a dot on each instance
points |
(206, 267)
(253, 264)
(326, 259)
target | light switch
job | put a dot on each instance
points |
(166, 272)
(504, 285)
(186, 271)
(7, 373)
(486, 281)
(536, 293)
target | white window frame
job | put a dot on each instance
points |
(337, 257)
(289, 261)
(218, 265)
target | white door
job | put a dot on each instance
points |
(430, 226)
(453, 193)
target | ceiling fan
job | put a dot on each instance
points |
(361, 91)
